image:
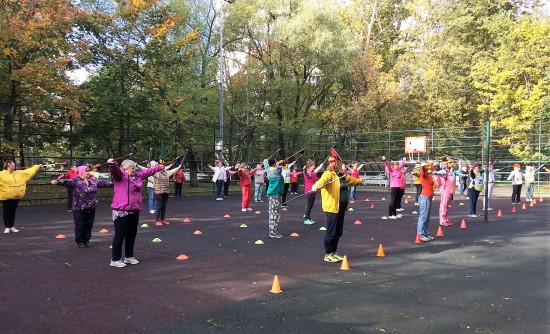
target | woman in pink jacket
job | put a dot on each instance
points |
(126, 205)
(396, 183)
(310, 177)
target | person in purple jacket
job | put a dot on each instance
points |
(395, 185)
(126, 205)
(84, 199)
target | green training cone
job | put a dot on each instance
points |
(157, 240)
(259, 242)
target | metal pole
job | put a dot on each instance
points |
(221, 83)
(486, 183)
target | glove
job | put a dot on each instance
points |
(280, 162)
(383, 158)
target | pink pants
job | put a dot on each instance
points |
(444, 207)
(246, 192)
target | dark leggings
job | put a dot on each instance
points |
(394, 201)
(162, 200)
(399, 198)
(10, 206)
(310, 199)
(516, 193)
(125, 232)
(285, 192)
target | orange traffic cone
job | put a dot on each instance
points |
(513, 209)
(532, 203)
(523, 207)
(499, 214)
(276, 287)
(463, 224)
(406, 200)
(417, 241)
(380, 251)
(541, 199)
(440, 232)
(372, 206)
(345, 265)
(366, 200)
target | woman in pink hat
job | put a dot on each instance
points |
(516, 176)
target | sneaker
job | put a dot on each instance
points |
(337, 257)
(165, 222)
(275, 235)
(219, 199)
(392, 217)
(330, 258)
(514, 203)
(261, 201)
(416, 204)
(88, 244)
(152, 212)
(309, 222)
(80, 245)
(131, 260)
(472, 216)
(243, 210)
(284, 205)
(248, 209)
(399, 215)
(425, 239)
(158, 223)
(14, 230)
(445, 224)
(430, 237)
(69, 210)
(7, 230)
(400, 209)
(118, 264)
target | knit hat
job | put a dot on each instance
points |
(81, 169)
(517, 165)
(153, 163)
(271, 162)
(474, 165)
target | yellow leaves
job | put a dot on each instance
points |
(9, 52)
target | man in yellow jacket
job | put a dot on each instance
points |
(334, 195)
(13, 185)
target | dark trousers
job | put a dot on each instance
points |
(69, 198)
(83, 224)
(219, 188)
(162, 200)
(179, 187)
(226, 187)
(310, 199)
(516, 192)
(10, 206)
(125, 232)
(294, 187)
(473, 194)
(418, 191)
(400, 195)
(335, 228)
(394, 197)
(283, 200)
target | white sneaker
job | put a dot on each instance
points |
(14, 230)
(7, 230)
(131, 260)
(399, 216)
(243, 210)
(392, 217)
(248, 209)
(400, 209)
(472, 216)
(219, 199)
(151, 211)
(118, 264)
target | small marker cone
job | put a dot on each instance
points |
(350, 210)
(532, 203)
(414, 212)
(499, 214)
(323, 229)
(259, 242)
(60, 236)
(276, 287)
(513, 209)
(197, 232)
(440, 232)
(372, 206)
(243, 225)
(103, 230)
(460, 203)
(144, 225)
(417, 240)
(294, 234)
(157, 240)
(352, 202)
(463, 224)
(406, 200)
(541, 199)
(384, 217)
(523, 207)
(257, 212)
(285, 209)
(380, 251)
(345, 265)
(186, 220)
(226, 216)
(182, 257)
(383, 198)
(366, 199)
(358, 222)
(111, 247)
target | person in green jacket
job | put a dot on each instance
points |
(274, 192)
(13, 184)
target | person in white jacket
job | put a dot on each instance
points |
(516, 176)
(219, 178)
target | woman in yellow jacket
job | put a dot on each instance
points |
(334, 196)
(13, 185)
